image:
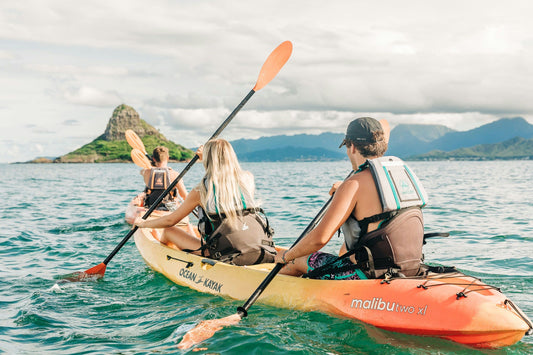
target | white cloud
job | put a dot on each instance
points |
(184, 65)
(6, 56)
(79, 70)
(92, 97)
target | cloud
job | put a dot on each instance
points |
(79, 70)
(7, 56)
(71, 123)
(185, 65)
(92, 97)
(189, 100)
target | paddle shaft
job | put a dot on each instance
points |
(152, 161)
(178, 178)
(243, 310)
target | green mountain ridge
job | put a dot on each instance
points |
(407, 140)
(291, 153)
(103, 151)
(515, 148)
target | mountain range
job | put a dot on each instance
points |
(514, 148)
(407, 141)
(507, 138)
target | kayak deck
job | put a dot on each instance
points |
(452, 306)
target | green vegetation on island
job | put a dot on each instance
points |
(102, 151)
(112, 145)
(515, 148)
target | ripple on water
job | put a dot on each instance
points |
(64, 221)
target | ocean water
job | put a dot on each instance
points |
(58, 219)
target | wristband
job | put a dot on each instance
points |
(283, 257)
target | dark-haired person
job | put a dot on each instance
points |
(382, 225)
(158, 178)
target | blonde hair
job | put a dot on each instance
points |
(225, 183)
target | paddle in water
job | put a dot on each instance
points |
(273, 64)
(206, 329)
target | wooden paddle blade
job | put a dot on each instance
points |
(386, 129)
(275, 61)
(140, 159)
(135, 141)
(206, 329)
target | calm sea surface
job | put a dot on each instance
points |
(58, 219)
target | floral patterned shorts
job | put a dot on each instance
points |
(319, 258)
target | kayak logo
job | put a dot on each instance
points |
(208, 283)
(379, 305)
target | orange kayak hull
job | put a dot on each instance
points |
(451, 306)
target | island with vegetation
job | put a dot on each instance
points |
(112, 147)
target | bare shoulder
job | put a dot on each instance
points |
(354, 182)
(362, 177)
(173, 174)
(348, 186)
(145, 172)
(247, 178)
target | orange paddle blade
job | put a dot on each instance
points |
(134, 141)
(275, 61)
(206, 329)
(140, 159)
(96, 272)
(386, 129)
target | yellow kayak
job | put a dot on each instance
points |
(452, 306)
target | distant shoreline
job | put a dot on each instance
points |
(49, 161)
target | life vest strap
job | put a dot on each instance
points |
(365, 222)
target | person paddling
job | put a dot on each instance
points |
(378, 210)
(158, 178)
(232, 226)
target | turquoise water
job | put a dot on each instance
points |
(58, 219)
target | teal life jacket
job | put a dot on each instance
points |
(247, 242)
(398, 188)
(397, 243)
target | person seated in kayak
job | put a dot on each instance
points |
(379, 238)
(232, 226)
(157, 179)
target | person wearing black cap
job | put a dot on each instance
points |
(355, 199)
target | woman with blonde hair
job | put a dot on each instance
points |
(232, 227)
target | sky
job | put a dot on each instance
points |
(185, 65)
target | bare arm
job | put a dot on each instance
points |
(182, 191)
(342, 205)
(192, 200)
(146, 175)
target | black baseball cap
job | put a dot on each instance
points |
(362, 130)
